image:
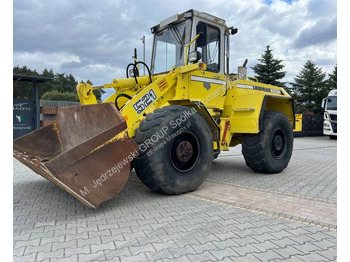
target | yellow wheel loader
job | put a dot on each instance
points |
(169, 124)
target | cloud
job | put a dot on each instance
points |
(43, 60)
(322, 32)
(95, 39)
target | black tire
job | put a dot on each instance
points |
(174, 158)
(333, 137)
(270, 150)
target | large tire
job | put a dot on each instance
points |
(270, 150)
(174, 158)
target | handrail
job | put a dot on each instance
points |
(187, 46)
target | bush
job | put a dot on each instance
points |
(56, 95)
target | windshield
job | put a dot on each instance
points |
(169, 46)
(332, 103)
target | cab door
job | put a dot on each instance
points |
(209, 86)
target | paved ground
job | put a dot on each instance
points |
(236, 215)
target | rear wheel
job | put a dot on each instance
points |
(270, 150)
(176, 150)
(333, 137)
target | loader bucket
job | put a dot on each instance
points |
(86, 152)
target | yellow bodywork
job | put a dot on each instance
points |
(298, 123)
(231, 106)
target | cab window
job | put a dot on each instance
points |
(211, 52)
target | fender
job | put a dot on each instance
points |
(282, 104)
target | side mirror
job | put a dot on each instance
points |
(202, 31)
(194, 57)
(234, 31)
(323, 102)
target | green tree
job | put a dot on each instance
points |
(310, 88)
(47, 86)
(21, 89)
(269, 70)
(332, 79)
(61, 96)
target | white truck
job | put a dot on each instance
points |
(330, 114)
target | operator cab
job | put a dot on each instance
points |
(173, 34)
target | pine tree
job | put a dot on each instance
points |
(332, 79)
(269, 70)
(310, 88)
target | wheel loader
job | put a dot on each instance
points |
(169, 124)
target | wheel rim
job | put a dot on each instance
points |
(184, 152)
(278, 144)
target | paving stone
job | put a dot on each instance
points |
(89, 241)
(135, 250)
(222, 253)
(34, 242)
(139, 257)
(312, 257)
(204, 247)
(225, 243)
(97, 247)
(242, 251)
(205, 256)
(330, 253)
(268, 255)
(117, 253)
(154, 256)
(47, 255)
(264, 246)
(287, 251)
(181, 251)
(125, 243)
(34, 249)
(25, 258)
(247, 258)
(178, 259)
(324, 244)
(286, 241)
(77, 250)
(307, 247)
(210, 238)
(92, 257)
(62, 245)
(73, 258)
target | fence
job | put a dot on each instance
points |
(48, 110)
(312, 125)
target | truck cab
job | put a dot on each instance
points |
(330, 114)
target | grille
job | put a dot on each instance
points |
(334, 127)
(333, 117)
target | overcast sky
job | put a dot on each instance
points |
(95, 39)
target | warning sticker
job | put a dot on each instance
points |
(163, 84)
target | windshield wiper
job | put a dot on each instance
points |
(176, 35)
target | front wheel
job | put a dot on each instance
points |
(176, 147)
(270, 150)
